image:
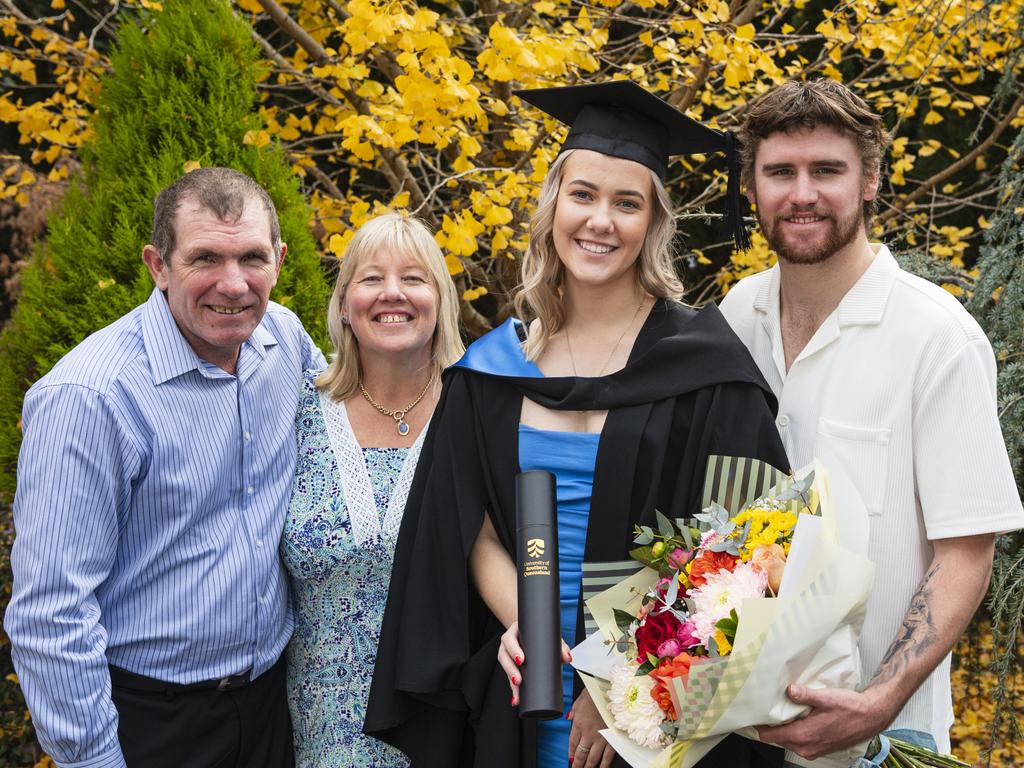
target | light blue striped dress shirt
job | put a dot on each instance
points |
(152, 490)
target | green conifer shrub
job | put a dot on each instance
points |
(182, 89)
(998, 303)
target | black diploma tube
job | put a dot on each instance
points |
(540, 692)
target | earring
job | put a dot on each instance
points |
(344, 320)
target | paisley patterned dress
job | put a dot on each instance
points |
(338, 548)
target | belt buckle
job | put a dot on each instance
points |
(224, 683)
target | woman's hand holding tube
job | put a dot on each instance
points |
(511, 657)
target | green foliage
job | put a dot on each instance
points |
(998, 303)
(182, 90)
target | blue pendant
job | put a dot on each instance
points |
(403, 428)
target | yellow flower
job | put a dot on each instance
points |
(722, 643)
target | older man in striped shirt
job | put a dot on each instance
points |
(150, 607)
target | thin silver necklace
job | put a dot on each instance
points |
(572, 358)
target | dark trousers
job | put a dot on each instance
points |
(245, 727)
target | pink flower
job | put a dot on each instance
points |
(677, 558)
(687, 635)
(669, 648)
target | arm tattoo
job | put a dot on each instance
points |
(915, 636)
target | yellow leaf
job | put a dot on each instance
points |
(256, 138)
(746, 32)
(956, 290)
(984, 223)
(453, 264)
(401, 200)
(336, 245)
(932, 117)
(190, 166)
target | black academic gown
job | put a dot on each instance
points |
(688, 391)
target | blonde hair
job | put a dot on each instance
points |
(405, 235)
(540, 294)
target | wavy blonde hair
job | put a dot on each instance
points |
(540, 295)
(409, 236)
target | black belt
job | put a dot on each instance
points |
(122, 678)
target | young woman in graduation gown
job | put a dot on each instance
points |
(618, 389)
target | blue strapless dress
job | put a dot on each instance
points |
(570, 456)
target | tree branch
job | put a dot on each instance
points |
(901, 203)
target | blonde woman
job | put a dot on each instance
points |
(613, 386)
(393, 320)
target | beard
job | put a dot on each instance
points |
(817, 251)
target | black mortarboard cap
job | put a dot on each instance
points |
(621, 119)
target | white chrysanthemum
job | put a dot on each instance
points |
(722, 592)
(633, 709)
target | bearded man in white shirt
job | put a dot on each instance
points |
(883, 374)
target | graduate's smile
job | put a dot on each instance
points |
(602, 213)
(596, 248)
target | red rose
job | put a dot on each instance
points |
(653, 631)
(710, 562)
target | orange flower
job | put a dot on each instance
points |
(667, 669)
(710, 562)
(771, 560)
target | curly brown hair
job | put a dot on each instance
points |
(796, 105)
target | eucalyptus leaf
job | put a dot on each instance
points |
(741, 539)
(684, 530)
(712, 647)
(788, 495)
(665, 527)
(672, 593)
(646, 535)
(623, 619)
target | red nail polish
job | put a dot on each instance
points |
(513, 701)
(571, 758)
(519, 661)
(567, 717)
(515, 680)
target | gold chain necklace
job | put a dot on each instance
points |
(399, 415)
(572, 359)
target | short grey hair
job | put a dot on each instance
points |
(222, 191)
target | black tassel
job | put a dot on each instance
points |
(733, 202)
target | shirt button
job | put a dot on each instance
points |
(783, 420)
(259, 543)
(248, 435)
(250, 490)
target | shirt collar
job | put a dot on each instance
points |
(863, 304)
(170, 355)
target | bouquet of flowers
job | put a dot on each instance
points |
(712, 621)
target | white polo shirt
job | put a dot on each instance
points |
(897, 386)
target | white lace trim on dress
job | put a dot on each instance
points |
(355, 477)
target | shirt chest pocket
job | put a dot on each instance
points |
(863, 452)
